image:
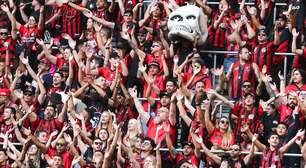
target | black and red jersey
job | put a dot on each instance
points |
(71, 21)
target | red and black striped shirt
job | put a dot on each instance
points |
(71, 21)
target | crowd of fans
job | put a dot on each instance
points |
(99, 84)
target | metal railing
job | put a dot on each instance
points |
(213, 151)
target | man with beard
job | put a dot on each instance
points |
(292, 115)
(235, 159)
(50, 123)
(190, 153)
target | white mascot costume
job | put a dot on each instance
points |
(188, 22)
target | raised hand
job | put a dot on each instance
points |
(5, 8)
(300, 133)
(196, 70)
(294, 32)
(142, 68)
(97, 27)
(54, 133)
(179, 95)
(87, 13)
(40, 42)
(280, 76)
(251, 10)
(254, 138)
(24, 60)
(218, 71)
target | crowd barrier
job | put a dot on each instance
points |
(213, 151)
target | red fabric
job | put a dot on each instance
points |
(294, 88)
(191, 159)
(48, 125)
(11, 48)
(283, 47)
(151, 58)
(247, 74)
(29, 35)
(251, 118)
(155, 25)
(71, 21)
(262, 55)
(5, 92)
(220, 34)
(66, 156)
(5, 128)
(161, 135)
(285, 112)
(217, 136)
(107, 73)
(102, 14)
(202, 76)
(271, 158)
(54, 90)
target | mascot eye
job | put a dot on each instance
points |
(177, 18)
(191, 17)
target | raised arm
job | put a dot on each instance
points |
(294, 49)
(214, 157)
(172, 150)
(63, 114)
(144, 116)
(208, 124)
(285, 148)
(222, 98)
(48, 55)
(10, 16)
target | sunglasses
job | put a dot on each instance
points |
(60, 144)
(3, 33)
(236, 149)
(261, 34)
(98, 143)
(247, 86)
(224, 122)
(28, 94)
(127, 14)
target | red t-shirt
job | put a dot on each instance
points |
(107, 73)
(66, 156)
(252, 117)
(161, 134)
(286, 111)
(5, 128)
(217, 137)
(191, 159)
(295, 88)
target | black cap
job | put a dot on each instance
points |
(163, 93)
(29, 89)
(189, 144)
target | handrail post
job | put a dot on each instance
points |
(215, 66)
(285, 69)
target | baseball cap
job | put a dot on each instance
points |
(29, 89)
(189, 144)
(5, 92)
